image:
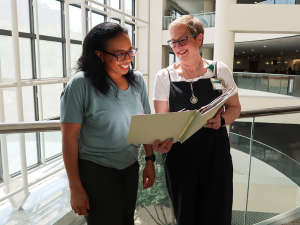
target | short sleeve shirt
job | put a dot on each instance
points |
(162, 80)
(104, 120)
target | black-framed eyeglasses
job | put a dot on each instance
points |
(181, 41)
(122, 56)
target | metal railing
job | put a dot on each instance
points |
(208, 19)
(285, 2)
(54, 125)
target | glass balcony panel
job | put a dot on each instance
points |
(279, 84)
(75, 23)
(208, 20)
(13, 151)
(10, 106)
(51, 99)
(52, 141)
(261, 82)
(51, 59)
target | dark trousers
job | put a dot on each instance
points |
(112, 193)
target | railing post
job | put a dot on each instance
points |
(19, 201)
(249, 172)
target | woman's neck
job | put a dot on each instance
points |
(191, 66)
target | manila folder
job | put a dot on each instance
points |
(146, 129)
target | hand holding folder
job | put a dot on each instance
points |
(145, 129)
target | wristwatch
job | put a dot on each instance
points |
(152, 157)
(222, 121)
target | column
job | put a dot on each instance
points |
(155, 48)
(224, 38)
(207, 53)
(209, 6)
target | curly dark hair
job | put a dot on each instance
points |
(91, 64)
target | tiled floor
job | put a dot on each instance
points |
(46, 204)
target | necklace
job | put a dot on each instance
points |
(193, 99)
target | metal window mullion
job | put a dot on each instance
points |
(64, 60)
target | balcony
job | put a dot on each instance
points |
(208, 19)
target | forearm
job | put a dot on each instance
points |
(148, 150)
(70, 156)
(231, 114)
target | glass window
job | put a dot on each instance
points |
(75, 23)
(171, 58)
(49, 17)
(97, 18)
(23, 15)
(115, 4)
(25, 58)
(115, 21)
(129, 8)
(76, 51)
(51, 100)
(10, 105)
(6, 56)
(31, 149)
(99, 7)
(28, 103)
(130, 28)
(52, 143)
(51, 59)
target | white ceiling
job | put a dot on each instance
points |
(274, 47)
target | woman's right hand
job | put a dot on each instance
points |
(163, 147)
(79, 201)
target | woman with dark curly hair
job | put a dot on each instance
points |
(96, 108)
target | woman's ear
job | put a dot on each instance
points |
(100, 55)
(200, 39)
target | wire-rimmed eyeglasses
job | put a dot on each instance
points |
(122, 56)
(181, 41)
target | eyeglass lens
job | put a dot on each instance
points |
(181, 41)
(131, 54)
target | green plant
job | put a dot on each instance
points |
(157, 194)
(169, 11)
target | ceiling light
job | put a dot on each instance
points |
(201, 11)
(260, 55)
(281, 53)
(265, 46)
(244, 52)
(248, 57)
(236, 53)
(254, 57)
(252, 50)
(297, 50)
(255, 2)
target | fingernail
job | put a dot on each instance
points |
(157, 140)
(169, 139)
(172, 139)
(204, 126)
(209, 121)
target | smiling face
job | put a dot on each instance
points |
(117, 45)
(189, 51)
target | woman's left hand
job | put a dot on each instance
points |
(148, 175)
(215, 123)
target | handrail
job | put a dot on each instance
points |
(268, 74)
(54, 125)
